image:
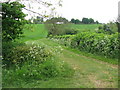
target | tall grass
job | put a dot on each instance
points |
(26, 63)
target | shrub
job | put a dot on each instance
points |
(19, 54)
(97, 43)
(13, 20)
(110, 28)
(33, 62)
(106, 45)
(59, 26)
(64, 39)
(71, 31)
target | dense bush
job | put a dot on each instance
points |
(64, 39)
(60, 29)
(97, 43)
(17, 55)
(70, 31)
(33, 70)
(59, 26)
(13, 20)
(110, 28)
(107, 45)
(32, 62)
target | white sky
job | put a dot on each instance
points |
(101, 10)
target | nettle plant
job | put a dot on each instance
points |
(28, 53)
(20, 54)
(34, 62)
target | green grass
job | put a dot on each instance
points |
(89, 72)
(85, 27)
(33, 32)
(95, 56)
(38, 31)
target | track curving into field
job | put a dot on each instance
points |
(89, 72)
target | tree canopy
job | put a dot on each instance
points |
(59, 26)
(13, 20)
(84, 21)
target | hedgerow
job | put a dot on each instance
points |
(96, 43)
(107, 45)
(32, 62)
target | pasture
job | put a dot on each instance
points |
(85, 27)
(33, 32)
(52, 65)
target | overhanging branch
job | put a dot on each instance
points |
(32, 11)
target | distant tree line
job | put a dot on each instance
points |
(37, 20)
(84, 21)
(59, 26)
(109, 28)
(40, 20)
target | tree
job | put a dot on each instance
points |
(97, 22)
(45, 8)
(75, 21)
(91, 21)
(38, 20)
(13, 17)
(56, 25)
(13, 20)
(85, 20)
(72, 20)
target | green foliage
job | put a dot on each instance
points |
(64, 39)
(18, 55)
(84, 27)
(89, 21)
(70, 31)
(38, 20)
(75, 21)
(33, 62)
(59, 26)
(109, 28)
(91, 42)
(33, 32)
(13, 20)
(113, 27)
(85, 20)
(106, 45)
(36, 72)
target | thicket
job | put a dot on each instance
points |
(91, 42)
(84, 21)
(22, 63)
(13, 20)
(110, 28)
(32, 62)
(59, 26)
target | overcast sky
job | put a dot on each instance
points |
(101, 10)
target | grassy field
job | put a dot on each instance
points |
(89, 72)
(37, 31)
(84, 27)
(33, 32)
